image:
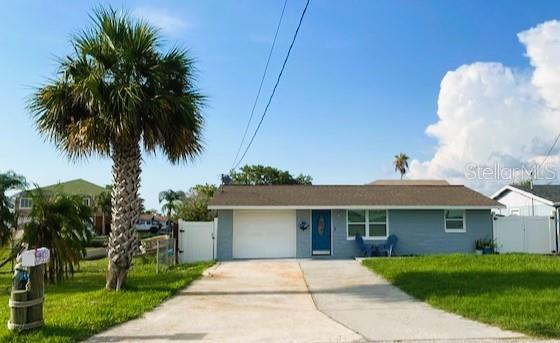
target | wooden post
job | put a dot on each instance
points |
(35, 290)
(18, 315)
(157, 256)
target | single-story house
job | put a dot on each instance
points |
(273, 221)
(527, 200)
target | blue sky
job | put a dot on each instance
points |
(361, 85)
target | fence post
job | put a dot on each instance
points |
(157, 256)
(175, 253)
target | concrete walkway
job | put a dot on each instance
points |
(357, 298)
(242, 301)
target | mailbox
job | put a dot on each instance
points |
(35, 257)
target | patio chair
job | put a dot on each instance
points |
(365, 249)
(389, 246)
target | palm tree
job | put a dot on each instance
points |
(8, 182)
(114, 95)
(171, 201)
(103, 205)
(60, 223)
(401, 163)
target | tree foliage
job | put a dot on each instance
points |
(401, 164)
(118, 88)
(171, 201)
(266, 175)
(524, 183)
(9, 181)
(195, 205)
(103, 200)
(60, 223)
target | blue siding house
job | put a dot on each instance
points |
(302, 221)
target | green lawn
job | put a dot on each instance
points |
(516, 292)
(81, 307)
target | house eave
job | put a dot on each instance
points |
(352, 207)
(496, 195)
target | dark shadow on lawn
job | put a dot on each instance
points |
(51, 331)
(427, 283)
(83, 283)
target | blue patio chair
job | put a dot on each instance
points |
(389, 246)
(365, 249)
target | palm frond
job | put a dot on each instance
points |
(119, 87)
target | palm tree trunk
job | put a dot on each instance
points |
(125, 211)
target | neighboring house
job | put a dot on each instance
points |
(533, 201)
(89, 191)
(304, 221)
(541, 200)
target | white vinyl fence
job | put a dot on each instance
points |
(527, 234)
(197, 241)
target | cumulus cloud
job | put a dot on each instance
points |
(491, 115)
(160, 18)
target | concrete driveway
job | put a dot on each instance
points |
(269, 301)
(242, 301)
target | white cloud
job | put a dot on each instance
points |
(490, 114)
(160, 18)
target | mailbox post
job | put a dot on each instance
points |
(26, 301)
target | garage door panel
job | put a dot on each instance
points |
(264, 234)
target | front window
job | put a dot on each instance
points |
(87, 201)
(455, 221)
(25, 203)
(370, 224)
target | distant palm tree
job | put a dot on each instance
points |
(8, 182)
(171, 201)
(116, 93)
(401, 163)
(103, 205)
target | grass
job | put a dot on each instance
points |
(81, 307)
(515, 292)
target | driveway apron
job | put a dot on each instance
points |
(361, 300)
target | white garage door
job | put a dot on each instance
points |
(264, 234)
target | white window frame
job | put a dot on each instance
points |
(25, 207)
(367, 224)
(464, 220)
(87, 201)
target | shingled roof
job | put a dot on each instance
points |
(345, 196)
(410, 182)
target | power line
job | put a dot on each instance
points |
(545, 158)
(275, 85)
(549, 151)
(260, 86)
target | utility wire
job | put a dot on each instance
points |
(550, 150)
(275, 85)
(545, 158)
(260, 86)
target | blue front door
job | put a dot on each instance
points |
(321, 232)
